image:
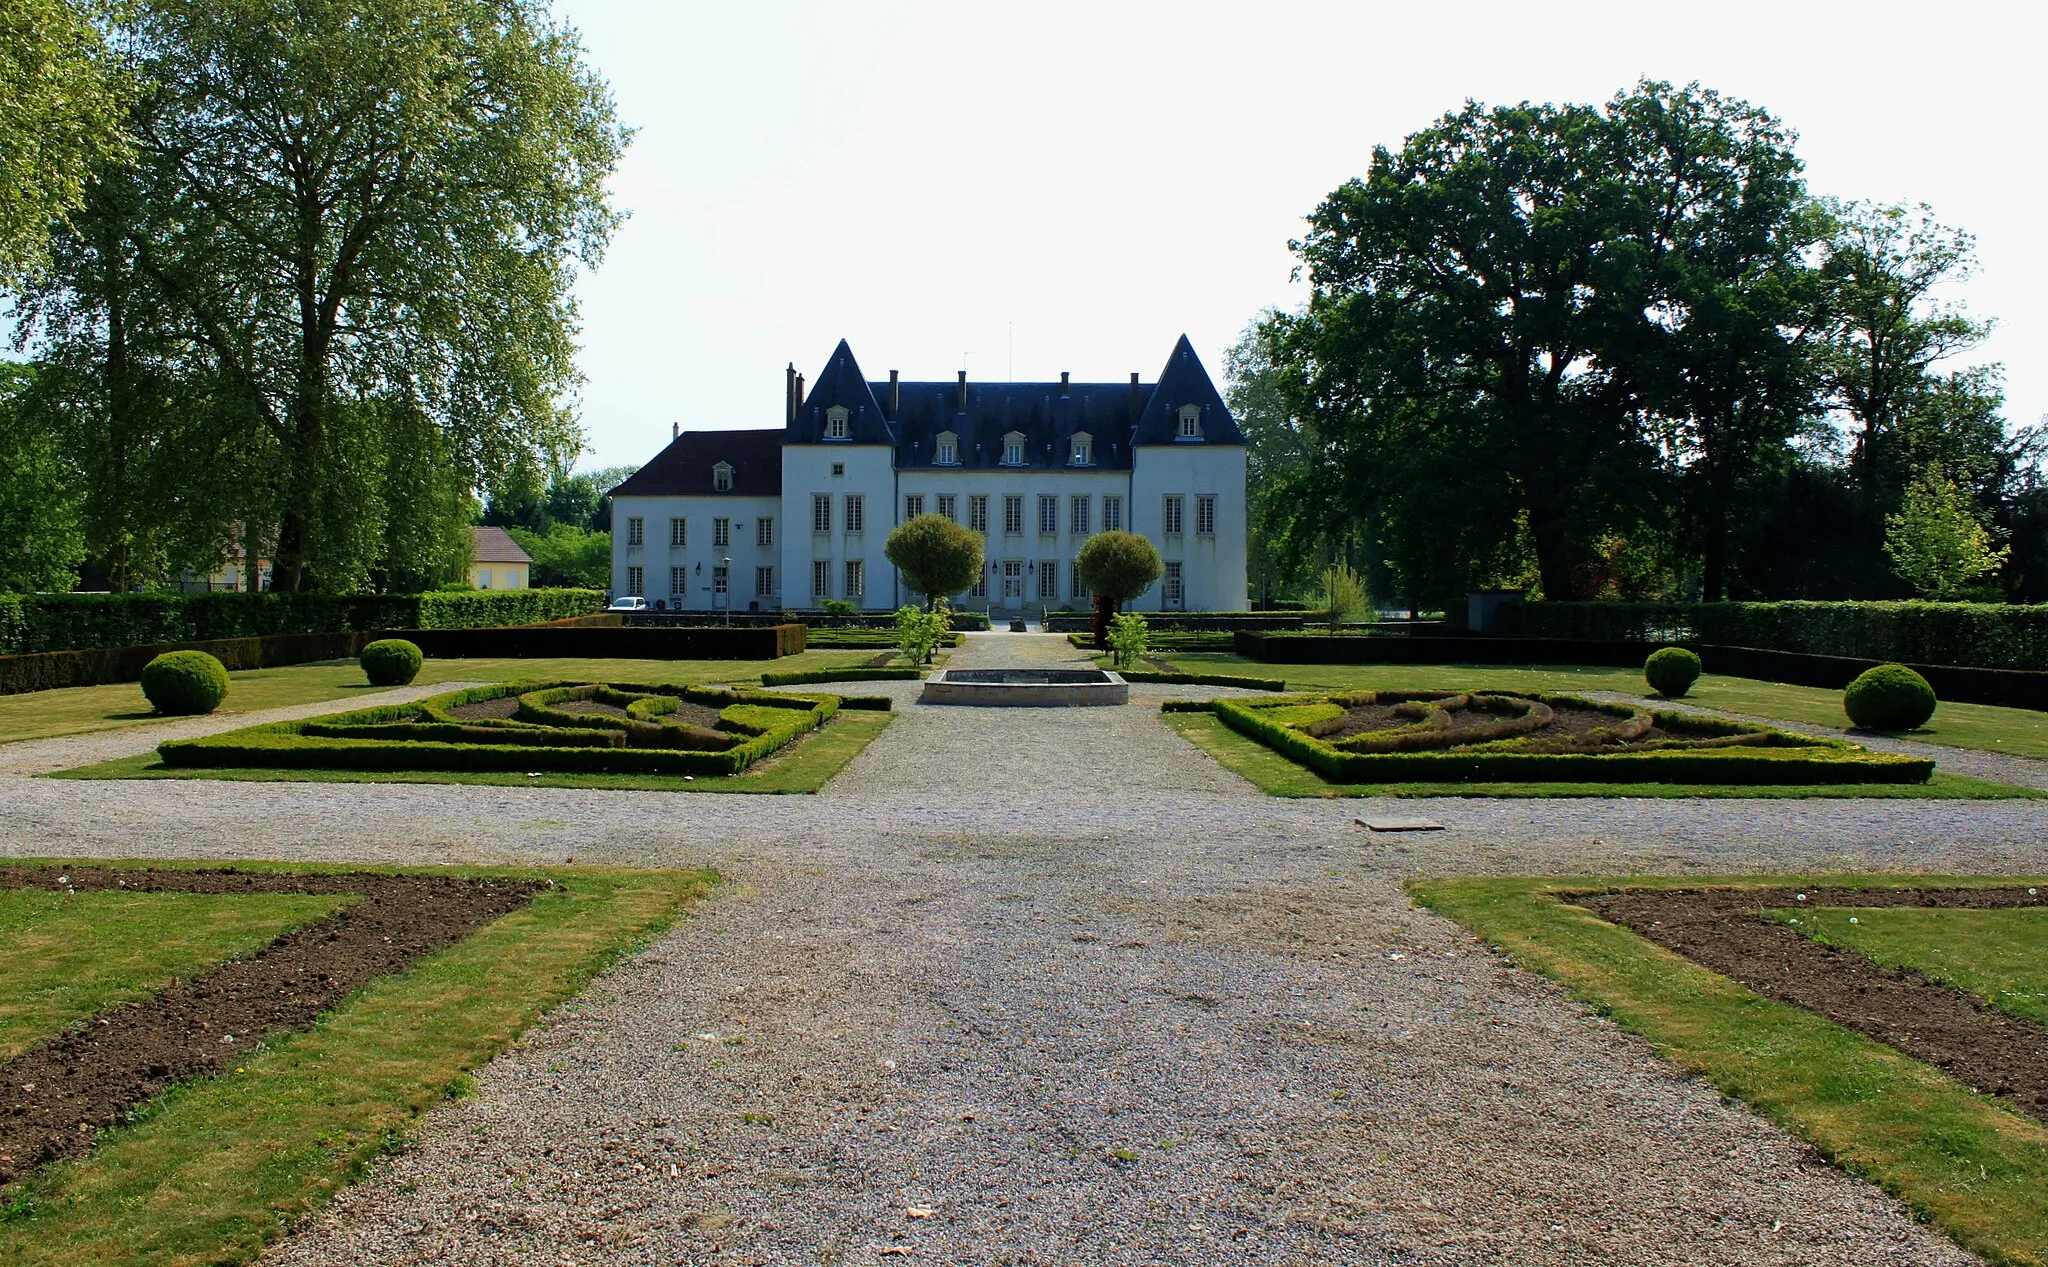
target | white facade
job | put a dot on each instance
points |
(677, 557)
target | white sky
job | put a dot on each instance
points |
(941, 182)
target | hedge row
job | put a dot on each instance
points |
(769, 721)
(79, 622)
(962, 620)
(1204, 679)
(1976, 635)
(865, 639)
(1813, 761)
(1081, 622)
(716, 642)
(798, 678)
(52, 669)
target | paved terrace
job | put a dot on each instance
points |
(1057, 979)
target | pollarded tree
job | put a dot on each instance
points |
(1116, 567)
(936, 556)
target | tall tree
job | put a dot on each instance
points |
(380, 201)
(39, 498)
(62, 119)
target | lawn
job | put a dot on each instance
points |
(805, 766)
(215, 1168)
(2014, 730)
(2001, 956)
(1276, 775)
(78, 709)
(1958, 1159)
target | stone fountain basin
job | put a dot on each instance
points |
(1028, 688)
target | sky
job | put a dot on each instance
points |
(1024, 189)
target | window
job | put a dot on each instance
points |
(1048, 580)
(946, 449)
(1077, 590)
(720, 585)
(633, 532)
(977, 513)
(764, 582)
(636, 581)
(1013, 578)
(1170, 522)
(913, 505)
(835, 423)
(1081, 450)
(1013, 513)
(1078, 519)
(483, 578)
(721, 533)
(838, 468)
(1175, 595)
(764, 531)
(980, 589)
(856, 578)
(721, 478)
(821, 578)
(949, 506)
(1013, 449)
(856, 512)
(678, 585)
(1112, 514)
(1048, 514)
(1205, 515)
(821, 512)
(1190, 422)
(678, 533)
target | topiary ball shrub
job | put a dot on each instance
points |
(390, 662)
(1671, 671)
(185, 683)
(1889, 697)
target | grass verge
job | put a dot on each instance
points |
(1275, 775)
(803, 767)
(1958, 1159)
(2019, 731)
(2001, 956)
(75, 710)
(214, 1169)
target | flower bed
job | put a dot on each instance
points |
(1450, 737)
(636, 732)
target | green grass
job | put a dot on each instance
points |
(1958, 1159)
(2021, 731)
(64, 956)
(78, 709)
(1999, 956)
(803, 767)
(1277, 776)
(215, 1168)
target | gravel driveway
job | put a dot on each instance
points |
(1048, 986)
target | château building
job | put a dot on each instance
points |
(770, 519)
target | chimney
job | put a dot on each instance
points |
(789, 394)
(1136, 404)
(962, 406)
(797, 403)
(895, 396)
(1063, 382)
(675, 431)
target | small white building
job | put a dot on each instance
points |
(768, 520)
(496, 561)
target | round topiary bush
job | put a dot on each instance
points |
(1889, 697)
(390, 662)
(185, 682)
(1671, 671)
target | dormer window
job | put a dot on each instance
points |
(1013, 449)
(721, 478)
(1082, 451)
(946, 450)
(1190, 422)
(835, 423)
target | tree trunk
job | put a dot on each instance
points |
(1553, 563)
(1098, 624)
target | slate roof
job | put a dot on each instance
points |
(1116, 416)
(495, 545)
(683, 469)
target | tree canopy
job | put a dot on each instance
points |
(935, 556)
(1118, 566)
(64, 118)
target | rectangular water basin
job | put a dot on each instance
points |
(1030, 688)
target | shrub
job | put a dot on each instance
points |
(935, 556)
(1343, 594)
(390, 662)
(1889, 697)
(1118, 565)
(920, 630)
(1671, 671)
(185, 683)
(1127, 635)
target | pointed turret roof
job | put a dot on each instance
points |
(840, 384)
(1183, 382)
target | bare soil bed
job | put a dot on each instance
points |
(487, 710)
(56, 1094)
(1450, 722)
(1726, 930)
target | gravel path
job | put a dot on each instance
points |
(1055, 978)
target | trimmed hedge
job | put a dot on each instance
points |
(1974, 635)
(390, 662)
(1671, 671)
(53, 669)
(1802, 760)
(184, 683)
(33, 623)
(766, 723)
(1079, 622)
(716, 642)
(1889, 697)
(1204, 679)
(901, 674)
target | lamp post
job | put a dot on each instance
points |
(727, 567)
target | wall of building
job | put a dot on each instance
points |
(700, 555)
(1212, 564)
(498, 576)
(866, 471)
(1030, 549)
